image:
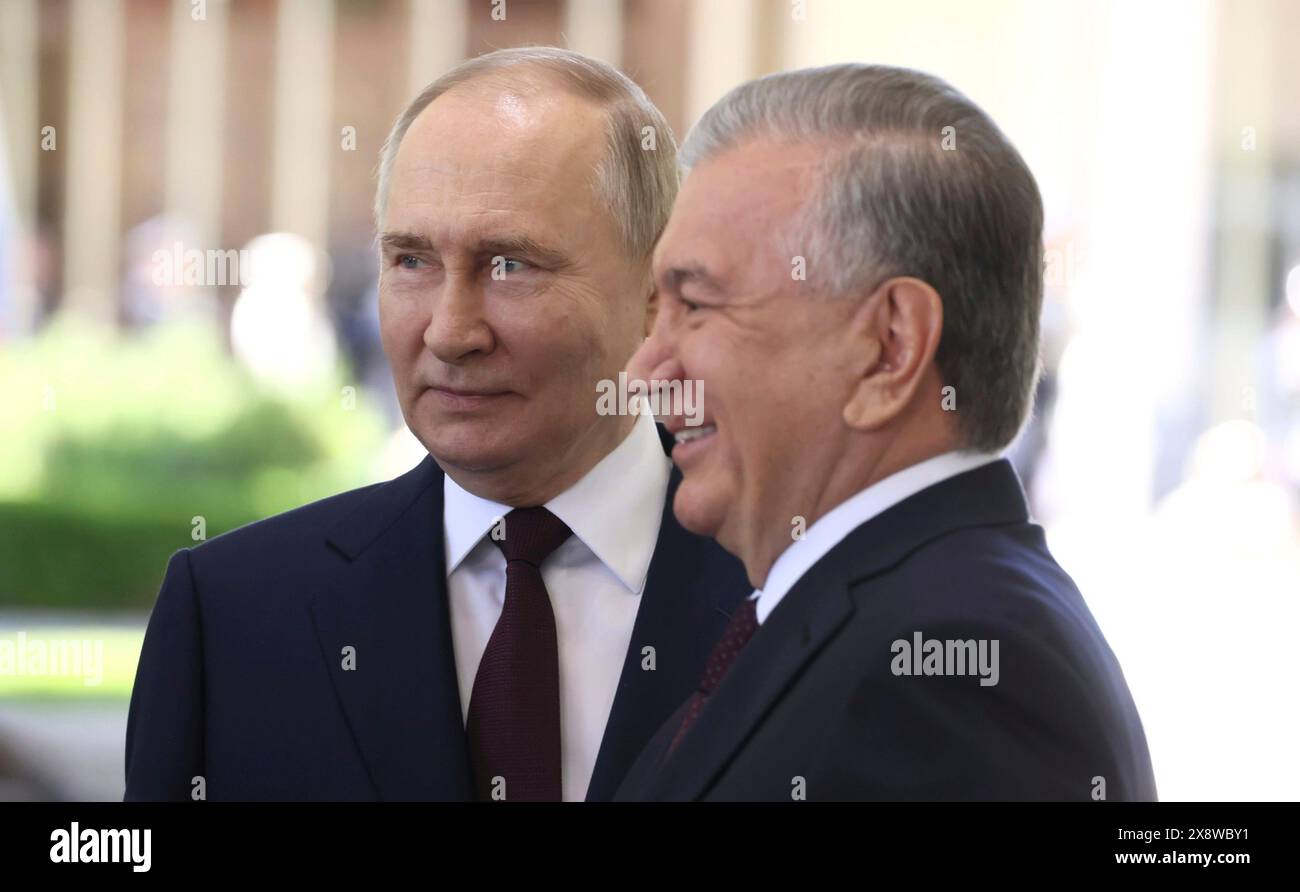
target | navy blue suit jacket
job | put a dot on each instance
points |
(812, 708)
(241, 677)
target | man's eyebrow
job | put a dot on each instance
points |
(691, 273)
(404, 241)
(522, 246)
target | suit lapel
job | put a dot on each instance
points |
(765, 668)
(690, 590)
(389, 602)
(812, 611)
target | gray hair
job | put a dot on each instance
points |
(637, 178)
(901, 194)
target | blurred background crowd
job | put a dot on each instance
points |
(189, 336)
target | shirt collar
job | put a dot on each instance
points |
(615, 509)
(830, 529)
(466, 518)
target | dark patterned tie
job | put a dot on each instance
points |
(513, 722)
(743, 625)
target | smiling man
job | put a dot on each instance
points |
(853, 272)
(513, 618)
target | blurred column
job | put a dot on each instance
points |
(1139, 299)
(438, 30)
(1245, 145)
(196, 107)
(304, 139)
(949, 38)
(20, 130)
(595, 28)
(649, 26)
(722, 50)
(93, 141)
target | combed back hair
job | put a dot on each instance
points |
(917, 181)
(637, 178)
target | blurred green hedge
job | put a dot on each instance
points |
(110, 447)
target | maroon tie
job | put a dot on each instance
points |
(513, 722)
(743, 625)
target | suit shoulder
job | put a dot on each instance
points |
(311, 519)
(996, 583)
(303, 530)
(996, 574)
(1001, 583)
(1051, 674)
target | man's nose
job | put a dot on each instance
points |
(457, 326)
(656, 358)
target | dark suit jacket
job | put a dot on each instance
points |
(241, 681)
(812, 707)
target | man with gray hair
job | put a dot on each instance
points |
(853, 268)
(513, 618)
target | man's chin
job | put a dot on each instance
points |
(470, 454)
(697, 510)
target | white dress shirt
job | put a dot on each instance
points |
(830, 529)
(595, 580)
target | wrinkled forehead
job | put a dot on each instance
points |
(488, 136)
(739, 206)
(479, 157)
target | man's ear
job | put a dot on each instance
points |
(894, 336)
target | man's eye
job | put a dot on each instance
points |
(690, 305)
(509, 265)
(408, 261)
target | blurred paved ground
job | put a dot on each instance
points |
(70, 751)
(59, 738)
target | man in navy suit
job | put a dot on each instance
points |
(854, 270)
(514, 617)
